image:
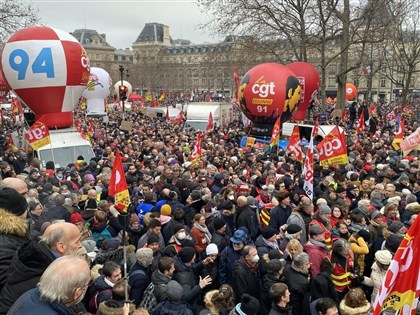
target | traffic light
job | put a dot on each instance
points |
(123, 92)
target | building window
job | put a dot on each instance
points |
(382, 82)
(331, 81)
(413, 82)
(332, 69)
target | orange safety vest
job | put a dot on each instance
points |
(327, 233)
(341, 277)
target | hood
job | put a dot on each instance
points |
(346, 310)
(159, 278)
(12, 224)
(414, 207)
(113, 307)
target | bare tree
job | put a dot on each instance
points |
(15, 15)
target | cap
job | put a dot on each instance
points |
(269, 232)
(238, 237)
(351, 187)
(219, 223)
(324, 209)
(383, 256)
(12, 201)
(212, 249)
(293, 229)
(315, 229)
(186, 254)
(76, 217)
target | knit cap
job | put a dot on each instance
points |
(212, 249)
(166, 210)
(324, 209)
(12, 201)
(249, 305)
(186, 254)
(76, 217)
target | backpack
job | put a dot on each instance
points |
(93, 301)
(149, 300)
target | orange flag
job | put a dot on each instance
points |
(399, 135)
(118, 185)
(196, 152)
(275, 136)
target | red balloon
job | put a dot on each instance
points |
(268, 91)
(351, 91)
(4, 87)
(308, 77)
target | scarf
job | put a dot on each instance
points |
(273, 245)
(318, 244)
(205, 231)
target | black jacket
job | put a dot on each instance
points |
(322, 286)
(298, 284)
(277, 310)
(247, 217)
(267, 281)
(246, 280)
(24, 273)
(160, 281)
(221, 240)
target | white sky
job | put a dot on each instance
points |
(123, 20)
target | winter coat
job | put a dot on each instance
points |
(410, 209)
(316, 255)
(187, 277)
(346, 310)
(246, 280)
(360, 249)
(160, 281)
(279, 216)
(375, 280)
(105, 290)
(298, 284)
(221, 240)
(31, 303)
(296, 218)
(247, 217)
(113, 307)
(27, 267)
(278, 310)
(227, 260)
(263, 248)
(138, 282)
(322, 286)
(211, 270)
(169, 308)
(14, 231)
(200, 240)
(267, 281)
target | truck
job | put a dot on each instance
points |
(198, 114)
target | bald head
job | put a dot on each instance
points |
(62, 238)
(15, 183)
(241, 201)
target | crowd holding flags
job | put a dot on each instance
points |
(332, 149)
(308, 166)
(294, 145)
(400, 288)
(196, 152)
(178, 119)
(118, 185)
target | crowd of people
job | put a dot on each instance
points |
(233, 233)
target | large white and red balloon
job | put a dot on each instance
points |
(97, 90)
(308, 77)
(48, 70)
(123, 83)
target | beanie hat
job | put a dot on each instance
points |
(411, 198)
(249, 305)
(152, 239)
(166, 210)
(392, 243)
(212, 249)
(275, 265)
(174, 291)
(251, 201)
(315, 229)
(269, 232)
(12, 201)
(365, 235)
(395, 226)
(219, 223)
(293, 229)
(144, 256)
(340, 189)
(403, 176)
(186, 254)
(134, 218)
(76, 217)
(324, 209)
(375, 214)
(113, 243)
(177, 228)
(383, 256)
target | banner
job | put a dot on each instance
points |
(118, 185)
(209, 126)
(308, 166)
(332, 149)
(407, 110)
(392, 117)
(38, 135)
(361, 123)
(294, 145)
(399, 135)
(411, 142)
(400, 289)
(196, 152)
(275, 136)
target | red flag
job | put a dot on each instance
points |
(38, 135)
(399, 135)
(361, 124)
(343, 116)
(10, 142)
(400, 289)
(179, 119)
(167, 113)
(332, 149)
(196, 152)
(91, 128)
(210, 123)
(118, 185)
(275, 136)
(308, 166)
(294, 145)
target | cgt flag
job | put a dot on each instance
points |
(294, 145)
(361, 123)
(210, 123)
(308, 166)
(275, 136)
(400, 289)
(38, 135)
(118, 185)
(332, 149)
(398, 138)
(196, 152)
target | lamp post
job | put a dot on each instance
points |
(123, 89)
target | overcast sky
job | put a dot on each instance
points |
(122, 21)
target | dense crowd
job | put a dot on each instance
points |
(231, 234)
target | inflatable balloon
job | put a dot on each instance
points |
(308, 77)
(97, 90)
(124, 83)
(351, 91)
(266, 92)
(48, 69)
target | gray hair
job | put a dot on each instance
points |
(300, 260)
(33, 193)
(62, 278)
(363, 202)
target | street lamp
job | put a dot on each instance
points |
(123, 90)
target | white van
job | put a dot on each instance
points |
(161, 112)
(306, 130)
